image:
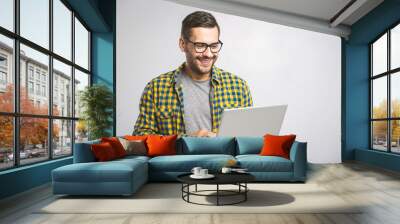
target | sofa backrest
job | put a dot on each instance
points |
(191, 146)
(204, 145)
(249, 145)
(83, 152)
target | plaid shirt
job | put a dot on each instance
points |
(162, 106)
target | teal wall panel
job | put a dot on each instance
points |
(102, 59)
(24, 178)
(103, 53)
(376, 158)
(103, 64)
(91, 14)
(357, 100)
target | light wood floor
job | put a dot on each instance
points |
(378, 188)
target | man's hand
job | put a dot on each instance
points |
(203, 133)
(212, 134)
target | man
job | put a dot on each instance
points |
(190, 99)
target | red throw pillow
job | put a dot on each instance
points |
(103, 151)
(116, 145)
(277, 145)
(159, 145)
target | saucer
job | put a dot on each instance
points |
(208, 176)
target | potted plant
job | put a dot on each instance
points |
(96, 102)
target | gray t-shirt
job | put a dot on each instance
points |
(196, 102)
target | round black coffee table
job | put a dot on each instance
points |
(238, 179)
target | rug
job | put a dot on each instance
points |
(167, 198)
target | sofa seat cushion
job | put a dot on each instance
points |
(133, 158)
(112, 171)
(257, 163)
(185, 163)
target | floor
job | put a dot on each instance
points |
(378, 188)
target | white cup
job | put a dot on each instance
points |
(196, 170)
(226, 170)
(203, 172)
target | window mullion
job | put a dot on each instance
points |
(73, 82)
(389, 104)
(371, 98)
(50, 81)
(89, 55)
(16, 84)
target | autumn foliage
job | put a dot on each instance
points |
(33, 131)
(380, 127)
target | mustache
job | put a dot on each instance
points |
(205, 58)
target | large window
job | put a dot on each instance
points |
(44, 64)
(385, 91)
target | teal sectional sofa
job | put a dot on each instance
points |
(125, 176)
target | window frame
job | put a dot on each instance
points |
(15, 72)
(6, 61)
(3, 77)
(388, 74)
(3, 70)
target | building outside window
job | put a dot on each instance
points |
(38, 89)
(55, 96)
(3, 72)
(30, 72)
(3, 78)
(37, 75)
(30, 87)
(44, 77)
(43, 90)
(3, 61)
(3, 81)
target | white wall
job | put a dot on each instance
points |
(282, 65)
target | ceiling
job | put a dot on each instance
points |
(327, 16)
(319, 9)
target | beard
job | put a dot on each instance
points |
(197, 67)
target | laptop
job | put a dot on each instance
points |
(252, 121)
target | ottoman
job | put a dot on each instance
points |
(118, 177)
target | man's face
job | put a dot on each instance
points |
(200, 63)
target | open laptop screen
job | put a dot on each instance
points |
(252, 121)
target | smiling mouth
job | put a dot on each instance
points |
(205, 62)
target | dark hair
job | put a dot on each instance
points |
(198, 19)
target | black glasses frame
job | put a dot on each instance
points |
(207, 46)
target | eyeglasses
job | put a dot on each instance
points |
(202, 47)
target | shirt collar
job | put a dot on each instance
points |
(215, 73)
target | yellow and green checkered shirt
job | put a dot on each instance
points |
(162, 107)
